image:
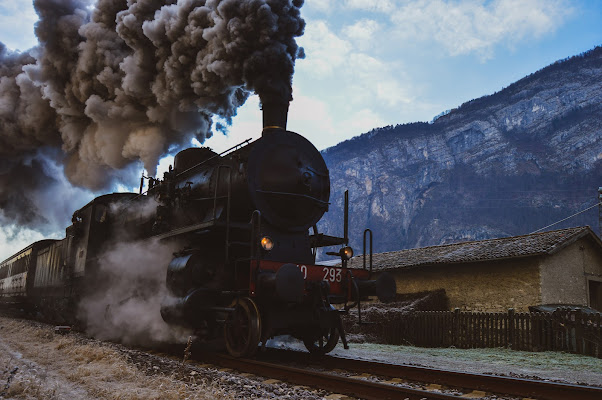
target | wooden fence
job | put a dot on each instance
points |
(562, 330)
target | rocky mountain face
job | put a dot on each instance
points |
(501, 165)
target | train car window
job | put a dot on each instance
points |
(22, 265)
(17, 266)
(4, 272)
(8, 267)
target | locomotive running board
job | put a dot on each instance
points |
(321, 240)
(186, 229)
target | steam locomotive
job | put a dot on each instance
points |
(245, 268)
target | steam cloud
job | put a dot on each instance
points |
(122, 82)
(125, 300)
(126, 306)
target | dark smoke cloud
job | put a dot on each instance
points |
(120, 82)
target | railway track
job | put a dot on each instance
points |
(378, 380)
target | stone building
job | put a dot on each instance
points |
(556, 267)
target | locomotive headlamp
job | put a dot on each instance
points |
(267, 243)
(346, 253)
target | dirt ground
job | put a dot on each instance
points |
(36, 363)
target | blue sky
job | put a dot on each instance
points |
(377, 63)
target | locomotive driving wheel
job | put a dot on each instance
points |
(242, 329)
(324, 344)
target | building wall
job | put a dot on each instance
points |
(488, 286)
(565, 275)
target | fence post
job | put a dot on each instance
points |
(510, 343)
(579, 332)
(456, 328)
(598, 333)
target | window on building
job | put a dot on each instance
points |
(595, 295)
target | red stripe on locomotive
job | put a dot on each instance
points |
(335, 276)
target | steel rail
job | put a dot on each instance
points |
(326, 381)
(488, 383)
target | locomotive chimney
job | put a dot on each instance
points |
(275, 112)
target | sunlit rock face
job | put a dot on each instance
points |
(501, 165)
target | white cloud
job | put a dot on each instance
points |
(16, 24)
(368, 78)
(321, 5)
(384, 6)
(328, 6)
(321, 124)
(325, 52)
(379, 82)
(476, 26)
(362, 33)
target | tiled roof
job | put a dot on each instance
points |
(483, 250)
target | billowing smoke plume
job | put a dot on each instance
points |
(126, 81)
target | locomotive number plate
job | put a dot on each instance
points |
(329, 274)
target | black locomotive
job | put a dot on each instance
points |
(246, 265)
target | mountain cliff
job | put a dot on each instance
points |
(501, 165)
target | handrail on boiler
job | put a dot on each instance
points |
(215, 156)
(219, 169)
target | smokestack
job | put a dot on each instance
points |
(275, 112)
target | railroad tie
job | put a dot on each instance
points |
(475, 394)
(396, 380)
(336, 396)
(362, 376)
